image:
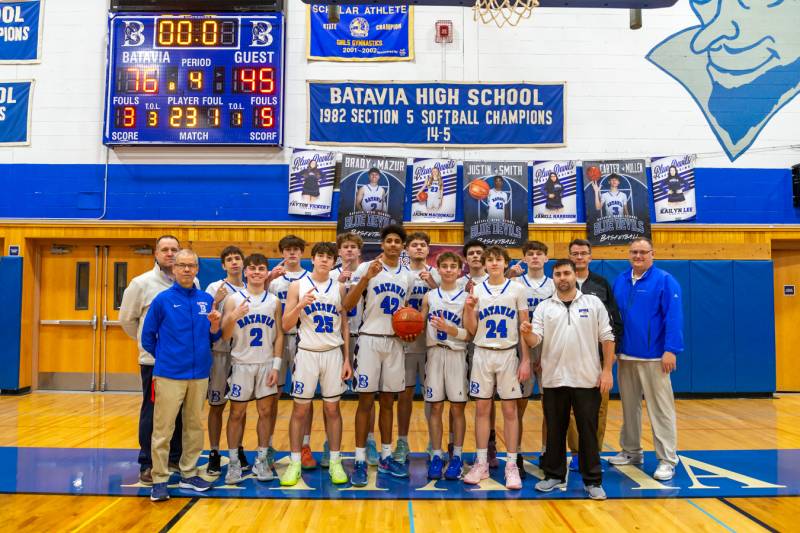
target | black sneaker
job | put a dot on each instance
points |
(521, 466)
(243, 459)
(213, 468)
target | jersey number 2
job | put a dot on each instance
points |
(256, 334)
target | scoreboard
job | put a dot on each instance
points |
(205, 79)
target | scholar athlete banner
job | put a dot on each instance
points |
(554, 186)
(363, 33)
(496, 202)
(371, 194)
(20, 31)
(436, 113)
(673, 187)
(433, 190)
(15, 112)
(616, 197)
(311, 175)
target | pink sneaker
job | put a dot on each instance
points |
(513, 482)
(477, 473)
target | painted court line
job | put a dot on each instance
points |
(748, 515)
(96, 515)
(711, 516)
(180, 514)
(410, 516)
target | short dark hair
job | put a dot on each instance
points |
(644, 239)
(255, 260)
(327, 248)
(373, 169)
(471, 244)
(230, 250)
(349, 237)
(614, 176)
(397, 229)
(496, 251)
(564, 262)
(418, 236)
(173, 237)
(534, 245)
(291, 241)
(579, 242)
(449, 256)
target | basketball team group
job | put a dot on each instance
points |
(489, 330)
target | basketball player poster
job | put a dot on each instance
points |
(371, 194)
(496, 202)
(673, 187)
(554, 186)
(617, 199)
(433, 190)
(311, 176)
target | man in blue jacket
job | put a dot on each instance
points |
(179, 329)
(649, 300)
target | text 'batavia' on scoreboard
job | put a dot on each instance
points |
(195, 79)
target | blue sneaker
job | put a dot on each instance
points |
(372, 453)
(435, 468)
(454, 468)
(573, 463)
(159, 492)
(392, 467)
(195, 483)
(358, 478)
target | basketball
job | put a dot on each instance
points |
(422, 196)
(478, 189)
(407, 321)
(593, 173)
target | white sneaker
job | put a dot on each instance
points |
(234, 474)
(625, 458)
(595, 492)
(664, 472)
(262, 470)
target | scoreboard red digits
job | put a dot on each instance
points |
(254, 80)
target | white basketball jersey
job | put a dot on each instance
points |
(385, 294)
(463, 280)
(498, 316)
(280, 288)
(417, 293)
(614, 203)
(434, 195)
(536, 291)
(373, 198)
(321, 321)
(254, 334)
(450, 306)
(497, 201)
(355, 314)
(222, 345)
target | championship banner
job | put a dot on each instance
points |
(363, 33)
(616, 197)
(452, 114)
(311, 177)
(496, 202)
(554, 187)
(673, 188)
(433, 190)
(20, 31)
(371, 195)
(15, 112)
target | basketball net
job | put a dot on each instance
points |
(503, 12)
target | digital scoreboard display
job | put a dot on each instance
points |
(205, 79)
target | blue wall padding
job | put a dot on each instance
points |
(11, 281)
(682, 377)
(754, 326)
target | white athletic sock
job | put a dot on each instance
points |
(370, 437)
(336, 456)
(386, 451)
(306, 440)
(295, 457)
(403, 438)
(482, 456)
(361, 454)
(262, 452)
(437, 453)
(233, 455)
(511, 457)
(457, 450)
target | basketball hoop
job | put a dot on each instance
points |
(503, 12)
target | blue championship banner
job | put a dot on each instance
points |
(387, 113)
(20, 31)
(363, 33)
(15, 112)
(496, 202)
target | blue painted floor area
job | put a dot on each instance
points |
(114, 472)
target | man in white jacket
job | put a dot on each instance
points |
(135, 303)
(570, 325)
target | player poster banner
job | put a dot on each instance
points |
(311, 177)
(20, 31)
(15, 112)
(455, 114)
(496, 202)
(433, 190)
(363, 33)
(554, 187)
(673, 187)
(371, 194)
(617, 201)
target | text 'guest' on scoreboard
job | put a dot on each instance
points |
(207, 79)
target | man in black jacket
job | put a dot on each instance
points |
(580, 251)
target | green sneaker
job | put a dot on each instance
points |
(337, 473)
(401, 452)
(292, 475)
(270, 456)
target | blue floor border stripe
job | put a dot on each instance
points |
(410, 516)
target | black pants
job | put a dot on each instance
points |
(585, 403)
(146, 424)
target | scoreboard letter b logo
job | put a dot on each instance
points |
(262, 33)
(134, 33)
